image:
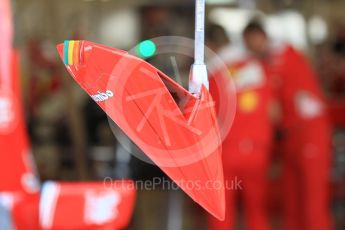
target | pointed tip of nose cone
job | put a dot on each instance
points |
(220, 216)
(219, 212)
(215, 204)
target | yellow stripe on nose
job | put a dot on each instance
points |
(70, 52)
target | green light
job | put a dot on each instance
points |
(147, 49)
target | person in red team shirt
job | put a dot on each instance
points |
(306, 130)
(247, 147)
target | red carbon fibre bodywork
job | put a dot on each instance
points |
(177, 130)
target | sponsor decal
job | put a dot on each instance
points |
(249, 77)
(8, 112)
(248, 101)
(101, 208)
(102, 96)
(308, 106)
(30, 182)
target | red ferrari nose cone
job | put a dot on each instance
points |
(175, 129)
